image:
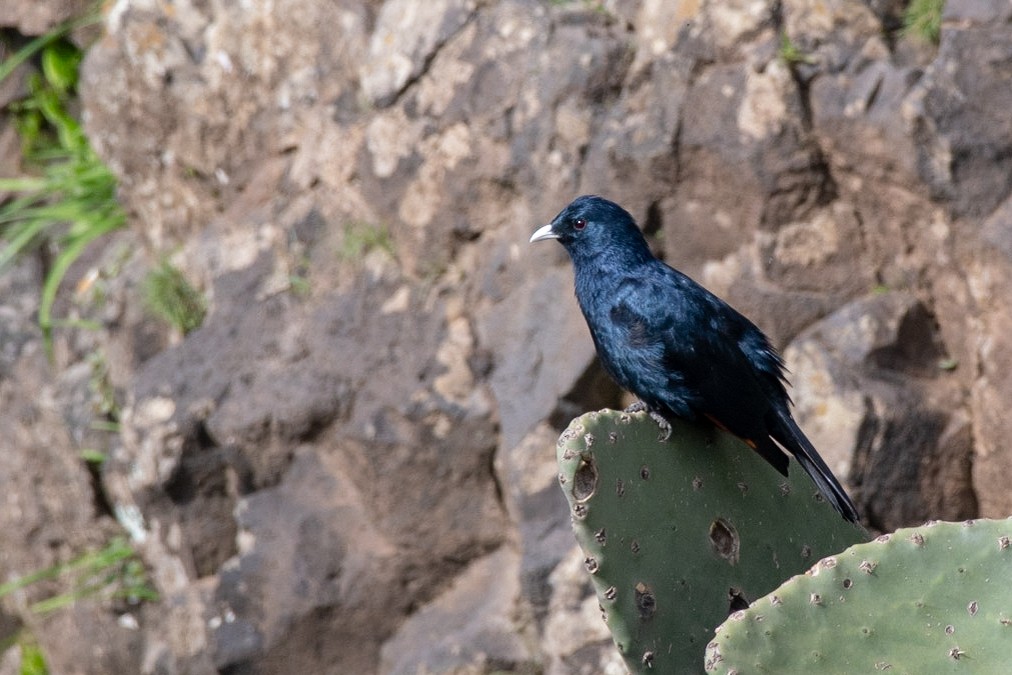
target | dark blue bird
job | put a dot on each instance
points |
(680, 349)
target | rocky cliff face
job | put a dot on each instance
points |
(349, 466)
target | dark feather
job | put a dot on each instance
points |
(682, 350)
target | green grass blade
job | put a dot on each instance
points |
(22, 237)
(22, 184)
(62, 263)
(73, 202)
(10, 64)
(33, 661)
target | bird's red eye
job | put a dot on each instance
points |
(579, 223)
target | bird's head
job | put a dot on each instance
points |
(591, 226)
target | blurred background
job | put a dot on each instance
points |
(281, 378)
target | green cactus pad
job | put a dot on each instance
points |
(930, 599)
(679, 533)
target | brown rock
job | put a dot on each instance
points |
(360, 435)
(875, 398)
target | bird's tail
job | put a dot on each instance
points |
(794, 440)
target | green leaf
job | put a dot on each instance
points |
(948, 364)
(60, 63)
(33, 661)
(93, 456)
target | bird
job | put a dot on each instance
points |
(681, 350)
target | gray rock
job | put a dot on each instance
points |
(53, 510)
(35, 17)
(875, 399)
(981, 12)
(469, 628)
(406, 37)
(237, 482)
(964, 150)
(538, 338)
(996, 230)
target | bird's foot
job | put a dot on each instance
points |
(640, 406)
(663, 424)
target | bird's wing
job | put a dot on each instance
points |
(706, 358)
(756, 346)
(635, 346)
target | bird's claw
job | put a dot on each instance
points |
(663, 424)
(640, 406)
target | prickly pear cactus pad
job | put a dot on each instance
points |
(679, 533)
(931, 599)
